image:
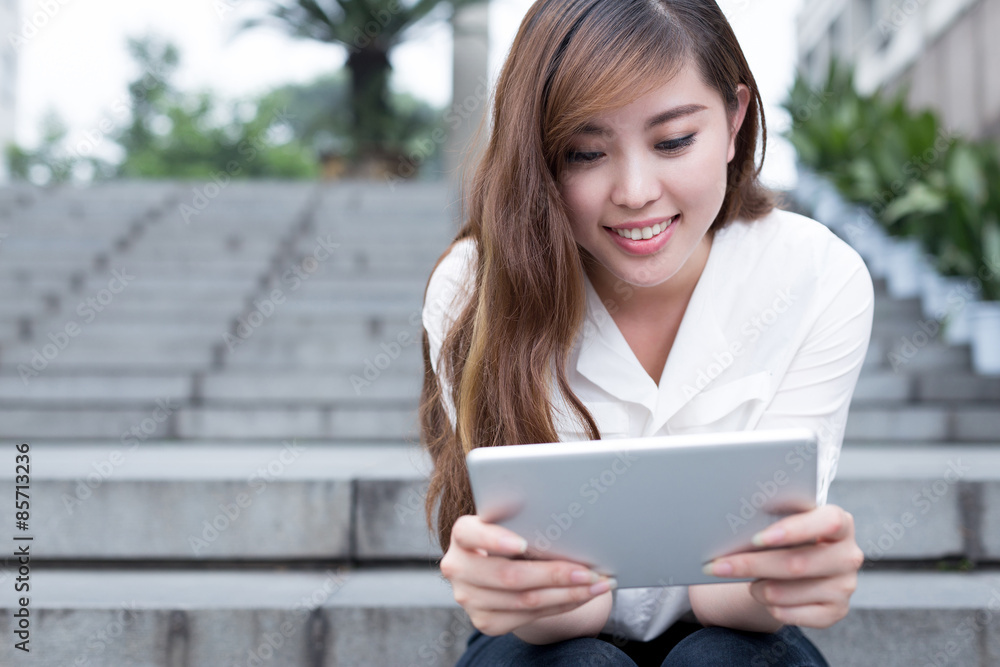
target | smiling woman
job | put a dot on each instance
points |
(616, 276)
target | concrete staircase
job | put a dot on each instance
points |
(222, 434)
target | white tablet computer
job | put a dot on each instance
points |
(648, 511)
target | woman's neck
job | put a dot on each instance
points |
(658, 301)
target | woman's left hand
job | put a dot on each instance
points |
(802, 584)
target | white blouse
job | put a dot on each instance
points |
(774, 336)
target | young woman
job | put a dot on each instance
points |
(622, 273)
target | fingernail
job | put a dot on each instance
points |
(584, 577)
(518, 544)
(604, 586)
(766, 537)
(721, 569)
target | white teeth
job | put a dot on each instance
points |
(644, 233)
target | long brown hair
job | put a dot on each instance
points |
(570, 61)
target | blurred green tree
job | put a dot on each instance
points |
(369, 30)
(167, 133)
(49, 163)
(173, 134)
(320, 119)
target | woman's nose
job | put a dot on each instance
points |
(635, 184)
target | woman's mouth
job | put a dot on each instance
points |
(644, 240)
(645, 233)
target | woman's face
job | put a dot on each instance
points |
(663, 181)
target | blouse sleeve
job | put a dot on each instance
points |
(449, 287)
(816, 390)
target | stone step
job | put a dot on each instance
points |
(902, 619)
(138, 497)
(399, 378)
(889, 307)
(367, 415)
(133, 309)
(298, 328)
(284, 325)
(921, 423)
(347, 302)
(81, 351)
(58, 273)
(95, 389)
(346, 421)
(343, 421)
(317, 286)
(149, 618)
(199, 354)
(264, 501)
(407, 616)
(316, 296)
(899, 357)
(877, 385)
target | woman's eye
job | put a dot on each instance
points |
(676, 144)
(582, 156)
(672, 146)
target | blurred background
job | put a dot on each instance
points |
(217, 219)
(70, 70)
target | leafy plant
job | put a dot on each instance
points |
(174, 134)
(917, 180)
(369, 30)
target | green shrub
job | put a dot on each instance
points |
(916, 179)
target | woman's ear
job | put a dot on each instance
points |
(743, 97)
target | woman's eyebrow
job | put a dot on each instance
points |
(658, 119)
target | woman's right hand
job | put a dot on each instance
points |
(501, 593)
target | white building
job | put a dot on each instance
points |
(947, 50)
(8, 79)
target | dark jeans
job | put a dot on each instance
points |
(681, 645)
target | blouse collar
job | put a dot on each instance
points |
(606, 359)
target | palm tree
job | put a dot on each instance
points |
(368, 29)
